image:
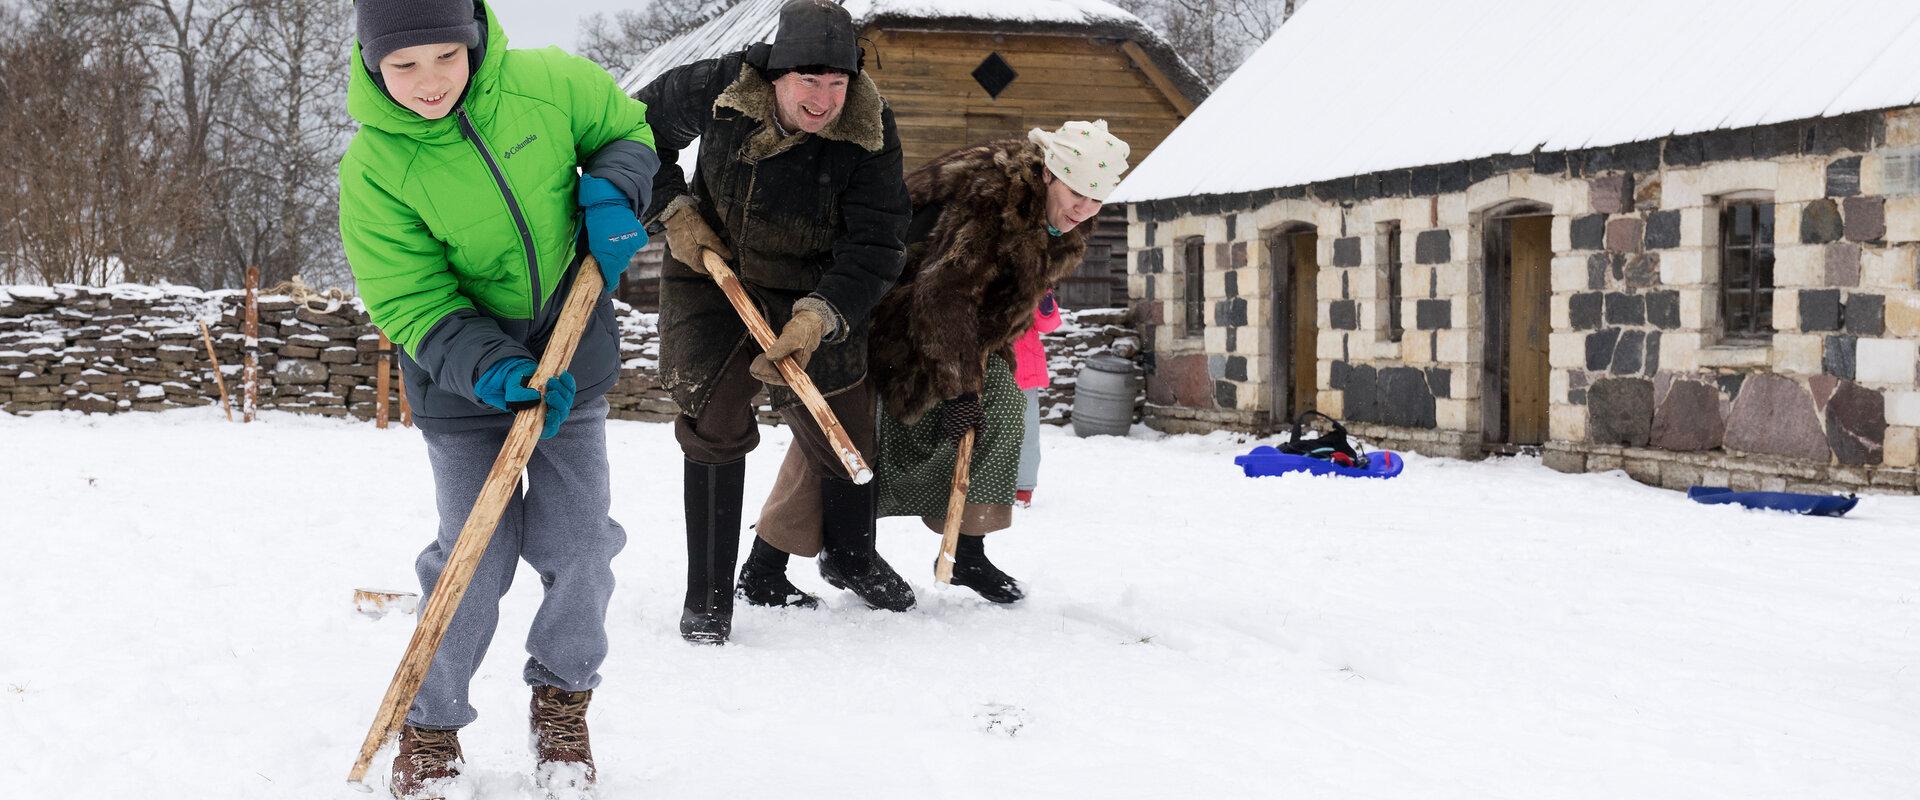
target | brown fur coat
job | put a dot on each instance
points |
(971, 282)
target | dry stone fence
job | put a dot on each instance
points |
(140, 348)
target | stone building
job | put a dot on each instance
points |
(959, 72)
(1687, 249)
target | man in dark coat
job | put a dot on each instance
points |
(799, 187)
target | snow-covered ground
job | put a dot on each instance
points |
(177, 624)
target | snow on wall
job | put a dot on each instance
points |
(132, 347)
(1350, 87)
(755, 21)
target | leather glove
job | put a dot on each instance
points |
(961, 414)
(613, 232)
(688, 232)
(504, 386)
(798, 339)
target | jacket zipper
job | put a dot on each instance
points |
(513, 207)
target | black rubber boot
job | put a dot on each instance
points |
(847, 558)
(763, 579)
(713, 545)
(972, 570)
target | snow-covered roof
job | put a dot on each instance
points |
(755, 20)
(1350, 87)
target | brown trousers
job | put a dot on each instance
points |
(727, 430)
(790, 520)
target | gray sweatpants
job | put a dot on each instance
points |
(1030, 444)
(558, 522)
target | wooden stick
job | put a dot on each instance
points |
(474, 536)
(956, 508)
(957, 496)
(376, 603)
(382, 382)
(217, 380)
(250, 380)
(794, 374)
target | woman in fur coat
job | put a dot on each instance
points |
(995, 226)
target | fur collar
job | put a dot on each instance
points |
(859, 121)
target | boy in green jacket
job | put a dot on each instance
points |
(465, 221)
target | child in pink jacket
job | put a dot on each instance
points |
(1031, 374)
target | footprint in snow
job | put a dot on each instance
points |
(1002, 719)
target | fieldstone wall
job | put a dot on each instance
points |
(1642, 376)
(139, 348)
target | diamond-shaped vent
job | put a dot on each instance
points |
(994, 74)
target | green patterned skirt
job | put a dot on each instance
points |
(915, 472)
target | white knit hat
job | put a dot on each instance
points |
(1085, 156)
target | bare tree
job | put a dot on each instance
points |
(171, 139)
(280, 148)
(49, 207)
(83, 179)
(618, 43)
(203, 46)
(1214, 36)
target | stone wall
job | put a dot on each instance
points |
(139, 348)
(1641, 377)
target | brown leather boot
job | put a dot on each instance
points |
(425, 764)
(563, 757)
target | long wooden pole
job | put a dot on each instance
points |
(957, 496)
(956, 508)
(795, 376)
(217, 379)
(250, 380)
(478, 531)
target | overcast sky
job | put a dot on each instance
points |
(538, 23)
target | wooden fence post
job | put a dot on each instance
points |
(406, 406)
(217, 379)
(382, 382)
(251, 372)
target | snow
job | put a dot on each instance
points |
(1349, 87)
(756, 20)
(40, 293)
(1059, 11)
(183, 627)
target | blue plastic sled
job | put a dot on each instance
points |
(1819, 505)
(1264, 460)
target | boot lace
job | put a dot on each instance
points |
(433, 750)
(561, 719)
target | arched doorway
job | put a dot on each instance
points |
(1293, 364)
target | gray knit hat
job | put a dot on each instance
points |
(388, 25)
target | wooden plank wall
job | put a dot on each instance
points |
(1101, 280)
(927, 77)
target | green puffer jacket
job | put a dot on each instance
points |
(463, 232)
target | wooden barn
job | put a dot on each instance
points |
(963, 71)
